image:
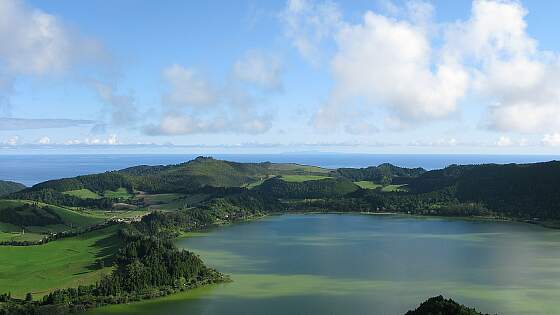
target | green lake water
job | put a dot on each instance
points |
(369, 264)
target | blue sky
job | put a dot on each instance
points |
(375, 76)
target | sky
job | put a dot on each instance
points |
(245, 76)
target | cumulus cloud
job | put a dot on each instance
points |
(259, 69)
(419, 71)
(551, 139)
(7, 123)
(193, 105)
(389, 62)
(39, 43)
(187, 88)
(44, 140)
(181, 124)
(520, 81)
(11, 141)
(34, 43)
(504, 142)
(309, 24)
(110, 140)
(443, 142)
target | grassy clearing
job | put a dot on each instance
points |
(120, 193)
(291, 167)
(117, 214)
(10, 232)
(64, 263)
(70, 219)
(170, 202)
(386, 188)
(368, 185)
(394, 188)
(83, 194)
(302, 178)
(257, 182)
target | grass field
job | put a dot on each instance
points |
(302, 178)
(386, 188)
(367, 184)
(298, 168)
(70, 219)
(120, 193)
(10, 232)
(83, 194)
(393, 188)
(64, 263)
(171, 201)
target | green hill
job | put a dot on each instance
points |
(318, 188)
(37, 218)
(441, 306)
(384, 174)
(67, 262)
(7, 187)
(180, 178)
(206, 171)
(520, 190)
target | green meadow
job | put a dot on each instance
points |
(302, 178)
(70, 217)
(120, 193)
(64, 263)
(83, 193)
(386, 188)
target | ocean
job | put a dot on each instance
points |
(33, 169)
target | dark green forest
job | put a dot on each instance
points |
(438, 305)
(7, 187)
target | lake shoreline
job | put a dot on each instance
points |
(311, 223)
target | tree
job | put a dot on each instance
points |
(29, 297)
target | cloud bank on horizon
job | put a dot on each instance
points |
(393, 74)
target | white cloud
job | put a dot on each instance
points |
(186, 88)
(551, 139)
(192, 105)
(521, 82)
(174, 124)
(113, 139)
(504, 142)
(110, 140)
(443, 142)
(37, 43)
(419, 71)
(14, 140)
(259, 69)
(44, 140)
(308, 24)
(388, 62)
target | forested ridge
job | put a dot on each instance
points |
(8, 187)
(516, 190)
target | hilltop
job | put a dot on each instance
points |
(8, 187)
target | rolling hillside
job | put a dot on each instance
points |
(22, 220)
(7, 187)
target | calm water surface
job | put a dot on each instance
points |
(369, 264)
